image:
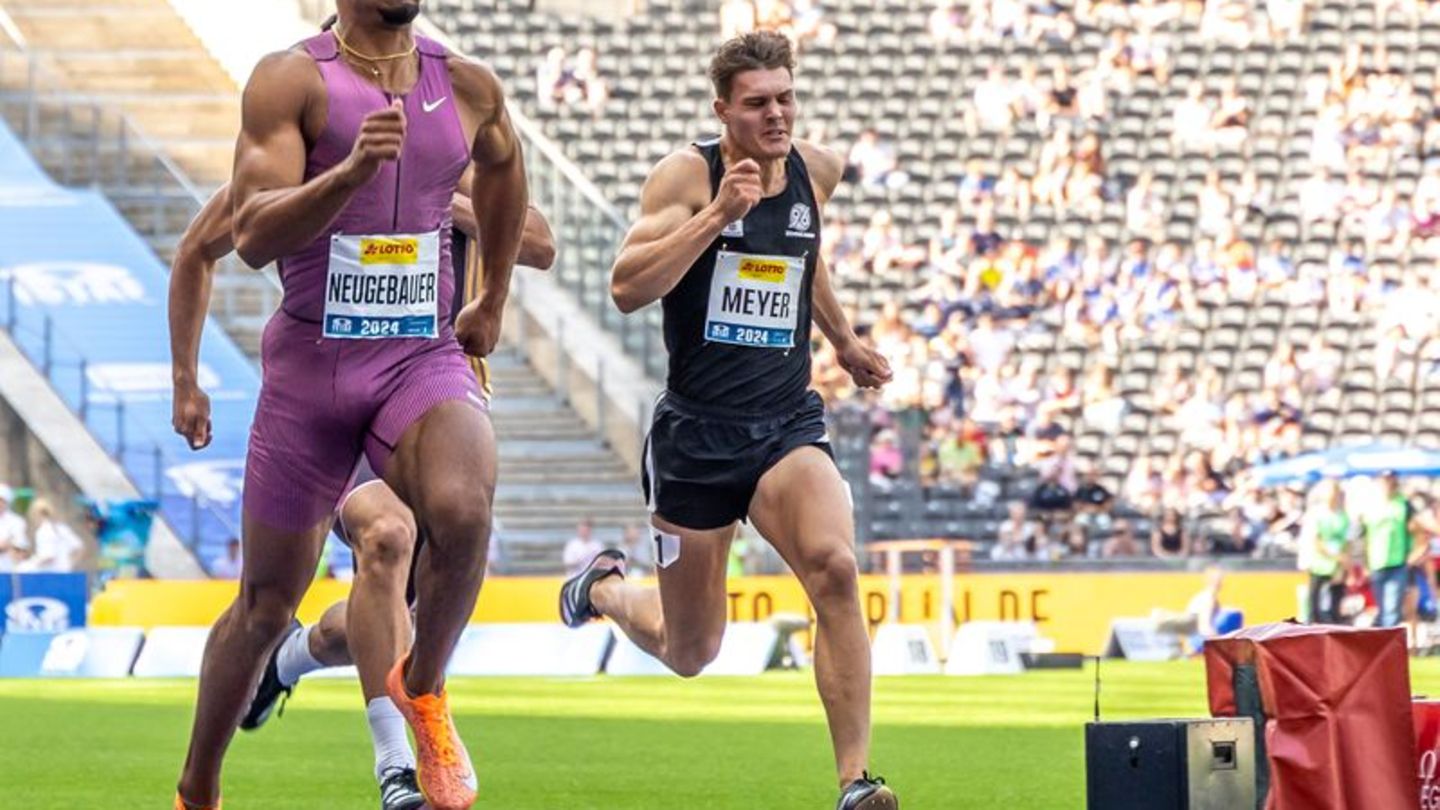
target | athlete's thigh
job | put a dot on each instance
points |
(692, 585)
(802, 506)
(371, 506)
(444, 460)
(279, 563)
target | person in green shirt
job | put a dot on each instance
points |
(1390, 550)
(1327, 531)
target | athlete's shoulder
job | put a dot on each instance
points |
(292, 63)
(686, 159)
(680, 168)
(680, 178)
(472, 76)
(281, 86)
(826, 165)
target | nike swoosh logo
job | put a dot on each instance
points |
(432, 106)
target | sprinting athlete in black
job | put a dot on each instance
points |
(729, 241)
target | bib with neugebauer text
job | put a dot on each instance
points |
(383, 287)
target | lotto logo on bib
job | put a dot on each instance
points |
(763, 270)
(402, 250)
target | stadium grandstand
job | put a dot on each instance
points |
(1156, 279)
(1162, 240)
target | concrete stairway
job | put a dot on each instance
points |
(104, 58)
(138, 56)
(553, 473)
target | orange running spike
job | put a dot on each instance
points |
(444, 771)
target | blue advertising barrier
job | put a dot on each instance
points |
(97, 652)
(43, 603)
(85, 299)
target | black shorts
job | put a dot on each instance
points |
(702, 464)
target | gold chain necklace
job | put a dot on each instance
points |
(354, 54)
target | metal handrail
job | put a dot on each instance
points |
(173, 196)
(171, 185)
(536, 137)
(584, 221)
(11, 30)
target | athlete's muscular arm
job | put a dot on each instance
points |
(678, 221)
(867, 367)
(537, 244)
(204, 243)
(499, 194)
(276, 212)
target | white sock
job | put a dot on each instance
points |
(294, 659)
(387, 732)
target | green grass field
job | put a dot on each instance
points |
(755, 743)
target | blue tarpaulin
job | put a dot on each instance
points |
(1347, 462)
(68, 256)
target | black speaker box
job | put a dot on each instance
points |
(1170, 765)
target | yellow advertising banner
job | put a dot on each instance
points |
(1073, 609)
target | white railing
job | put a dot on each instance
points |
(85, 142)
(11, 30)
(588, 231)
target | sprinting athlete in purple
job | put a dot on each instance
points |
(372, 627)
(351, 146)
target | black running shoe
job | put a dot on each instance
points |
(267, 695)
(399, 790)
(867, 793)
(575, 607)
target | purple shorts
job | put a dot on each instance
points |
(326, 403)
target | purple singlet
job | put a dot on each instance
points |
(362, 346)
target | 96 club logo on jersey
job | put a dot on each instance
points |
(754, 300)
(801, 218)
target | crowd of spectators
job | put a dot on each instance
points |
(978, 291)
(981, 290)
(563, 80)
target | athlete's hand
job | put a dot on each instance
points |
(740, 190)
(191, 416)
(478, 328)
(381, 139)
(867, 367)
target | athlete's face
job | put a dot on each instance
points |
(389, 13)
(760, 113)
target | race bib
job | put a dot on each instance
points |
(383, 287)
(755, 300)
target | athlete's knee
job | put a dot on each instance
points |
(385, 545)
(332, 640)
(689, 658)
(265, 613)
(460, 516)
(832, 576)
